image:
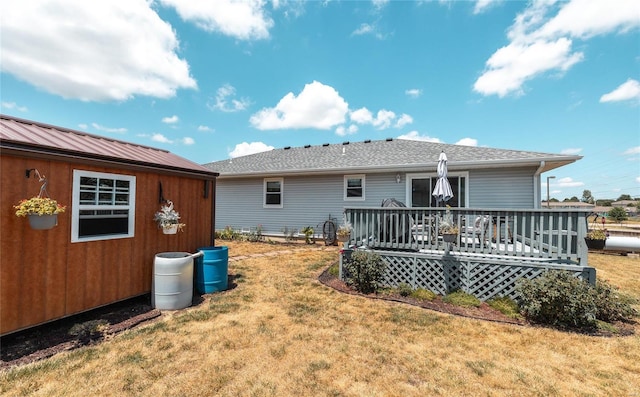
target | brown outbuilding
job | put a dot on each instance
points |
(103, 247)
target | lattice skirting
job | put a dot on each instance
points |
(482, 277)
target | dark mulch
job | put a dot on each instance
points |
(72, 332)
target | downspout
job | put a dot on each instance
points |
(213, 212)
(537, 198)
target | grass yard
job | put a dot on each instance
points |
(280, 332)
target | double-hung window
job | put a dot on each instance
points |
(103, 206)
(354, 187)
(273, 189)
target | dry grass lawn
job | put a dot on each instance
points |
(280, 332)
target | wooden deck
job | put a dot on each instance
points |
(493, 250)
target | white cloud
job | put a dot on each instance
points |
(467, 142)
(361, 116)
(244, 20)
(512, 65)
(13, 105)
(188, 141)
(381, 120)
(542, 42)
(568, 182)
(170, 120)
(379, 4)
(372, 29)
(244, 149)
(83, 126)
(638, 179)
(226, 93)
(342, 131)
(160, 138)
(571, 151)
(317, 106)
(108, 129)
(482, 5)
(587, 18)
(413, 92)
(204, 128)
(364, 28)
(415, 136)
(92, 51)
(633, 150)
(384, 119)
(626, 91)
(404, 120)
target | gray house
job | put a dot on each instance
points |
(304, 186)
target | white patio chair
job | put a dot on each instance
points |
(479, 230)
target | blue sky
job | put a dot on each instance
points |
(220, 79)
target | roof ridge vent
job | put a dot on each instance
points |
(307, 146)
(325, 144)
(389, 139)
(287, 147)
(367, 141)
(345, 142)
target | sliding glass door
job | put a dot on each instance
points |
(420, 189)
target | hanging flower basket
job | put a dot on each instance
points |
(596, 239)
(168, 219)
(41, 210)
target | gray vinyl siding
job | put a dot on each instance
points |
(502, 188)
(307, 201)
(310, 200)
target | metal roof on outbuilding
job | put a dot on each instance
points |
(25, 136)
(381, 156)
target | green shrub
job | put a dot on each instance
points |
(558, 298)
(505, 305)
(404, 289)
(228, 234)
(460, 298)
(611, 304)
(364, 271)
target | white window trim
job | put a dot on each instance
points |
(75, 205)
(344, 190)
(264, 193)
(411, 177)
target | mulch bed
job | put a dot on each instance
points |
(484, 312)
(52, 338)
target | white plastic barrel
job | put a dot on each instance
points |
(172, 286)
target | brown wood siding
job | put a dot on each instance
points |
(43, 276)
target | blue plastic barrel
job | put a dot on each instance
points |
(212, 269)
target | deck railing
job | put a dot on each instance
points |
(545, 234)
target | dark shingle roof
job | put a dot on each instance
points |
(383, 155)
(29, 136)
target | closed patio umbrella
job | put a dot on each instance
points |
(442, 191)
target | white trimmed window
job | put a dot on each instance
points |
(354, 187)
(103, 206)
(273, 191)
